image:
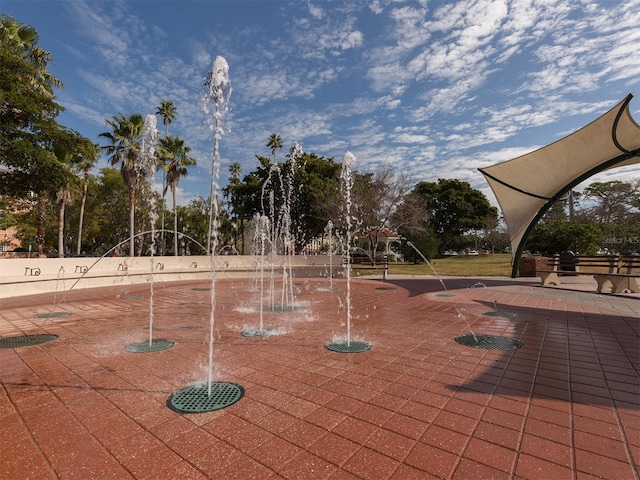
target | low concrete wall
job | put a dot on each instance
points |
(24, 276)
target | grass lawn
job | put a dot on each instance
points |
(496, 264)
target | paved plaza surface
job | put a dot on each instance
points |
(417, 405)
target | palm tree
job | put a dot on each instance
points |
(89, 157)
(124, 149)
(167, 111)
(22, 40)
(176, 158)
(274, 143)
(231, 191)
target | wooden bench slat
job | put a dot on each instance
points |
(618, 272)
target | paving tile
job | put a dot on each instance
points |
(391, 444)
(612, 448)
(302, 433)
(369, 464)
(601, 466)
(445, 439)
(276, 453)
(490, 454)
(356, 430)
(504, 436)
(244, 468)
(547, 450)
(468, 469)
(432, 460)
(307, 465)
(551, 431)
(534, 467)
(191, 442)
(406, 472)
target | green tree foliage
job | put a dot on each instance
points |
(309, 185)
(124, 149)
(453, 208)
(193, 221)
(612, 201)
(557, 236)
(34, 148)
(176, 161)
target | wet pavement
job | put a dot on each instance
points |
(416, 405)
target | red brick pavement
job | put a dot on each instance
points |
(417, 405)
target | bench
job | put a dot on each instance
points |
(625, 278)
(600, 266)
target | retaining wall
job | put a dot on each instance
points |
(27, 276)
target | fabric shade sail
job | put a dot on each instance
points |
(527, 186)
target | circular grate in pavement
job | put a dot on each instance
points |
(500, 313)
(146, 347)
(258, 333)
(348, 347)
(201, 289)
(488, 342)
(283, 308)
(52, 315)
(443, 295)
(196, 399)
(132, 297)
(26, 340)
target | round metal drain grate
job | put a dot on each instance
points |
(196, 399)
(500, 313)
(348, 347)
(257, 333)
(201, 289)
(488, 342)
(145, 347)
(132, 297)
(386, 288)
(52, 315)
(283, 308)
(26, 340)
(443, 295)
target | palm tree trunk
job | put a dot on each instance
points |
(61, 230)
(85, 187)
(164, 192)
(175, 221)
(132, 212)
(42, 205)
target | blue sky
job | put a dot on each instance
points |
(434, 89)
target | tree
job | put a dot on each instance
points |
(557, 236)
(88, 158)
(22, 40)
(124, 150)
(168, 112)
(233, 193)
(613, 201)
(176, 157)
(454, 207)
(274, 143)
(28, 127)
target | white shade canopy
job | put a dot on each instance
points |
(526, 186)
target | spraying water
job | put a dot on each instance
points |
(458, 312)
(346, 186)
(219, 92)
(148, 149)
(329, 231)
